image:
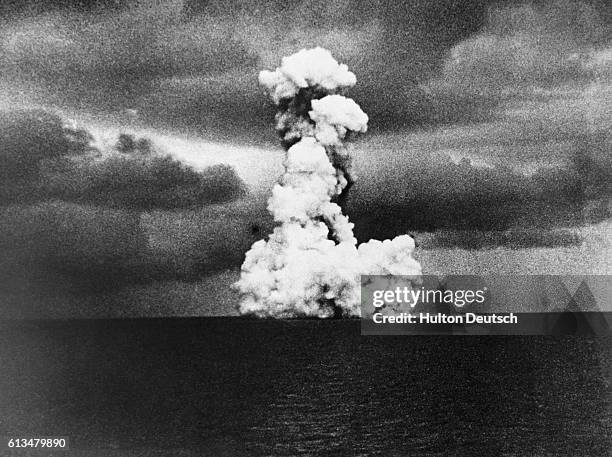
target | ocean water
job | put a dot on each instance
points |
(234, 387)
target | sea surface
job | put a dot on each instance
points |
(241, 387)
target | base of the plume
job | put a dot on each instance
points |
(293, 277)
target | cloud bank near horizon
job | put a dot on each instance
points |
(79, 218)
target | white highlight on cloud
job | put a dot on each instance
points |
(311, 265)
(333, 116)
(306, 68)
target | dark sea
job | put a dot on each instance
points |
(240, 387)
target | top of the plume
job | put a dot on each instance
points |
(307, 68)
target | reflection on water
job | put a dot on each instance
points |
(229, 386)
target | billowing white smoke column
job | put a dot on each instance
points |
(311, 265)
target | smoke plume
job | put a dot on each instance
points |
(311, 265)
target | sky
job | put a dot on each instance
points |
(485, 73)
(193, 65)
(483, 116)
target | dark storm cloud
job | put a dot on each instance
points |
(30, 139)
(31, 136)
(72, 248)
(526, 142)
(523, 48)
(41, 158)
(100, 243)
(427, 187)
(106, 61)
(143, 183)
(196, 64)
(511, 239)
(70, 214)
